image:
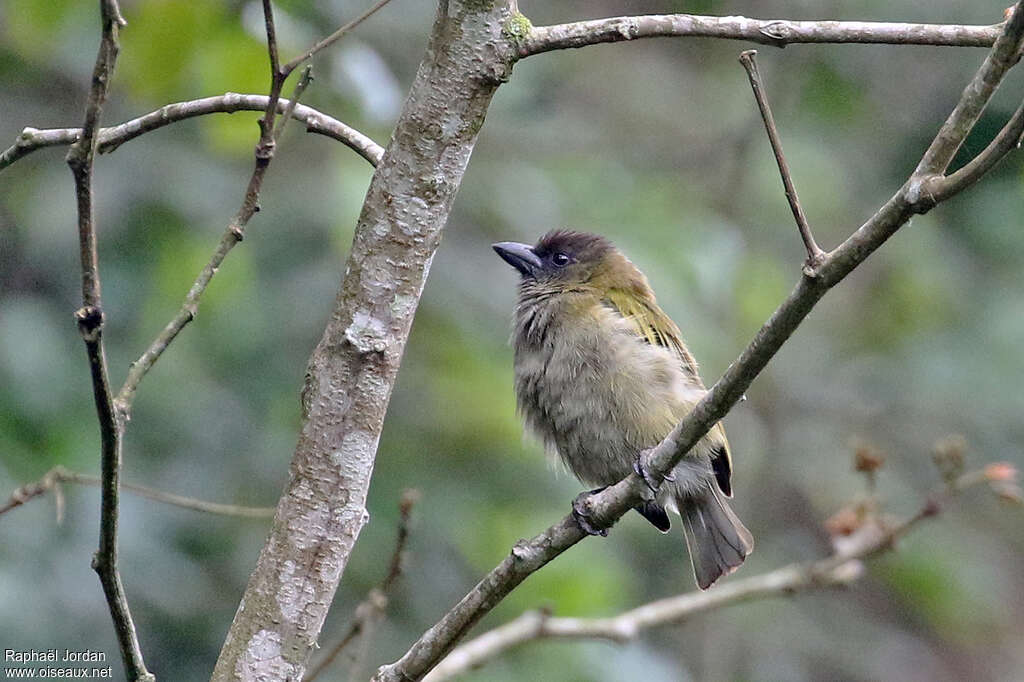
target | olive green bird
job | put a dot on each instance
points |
(602, 375)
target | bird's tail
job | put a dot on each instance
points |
(717, 540)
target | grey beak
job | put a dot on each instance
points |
(519, 256)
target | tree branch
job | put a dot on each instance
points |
(353, 369)
(772, 32)
(111, 138)
(607, 506)
(843, 567)
(57, 475)
(814, 253)
(90, 325)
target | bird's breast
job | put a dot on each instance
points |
(594, 391)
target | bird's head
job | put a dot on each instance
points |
(565, 260)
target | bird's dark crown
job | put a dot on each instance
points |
(581, 247)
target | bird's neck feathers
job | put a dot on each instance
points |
(543, 303)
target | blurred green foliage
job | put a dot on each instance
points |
(656, 144)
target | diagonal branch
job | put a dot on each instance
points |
(607, 506)
(235, 232)
(111, 138)
(772, 32)
(333, 38)
(814, 253)
(843, 567)
(90, 325)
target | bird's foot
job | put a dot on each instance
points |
(581, 512)
(641, 470)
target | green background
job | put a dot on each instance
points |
(656, 144)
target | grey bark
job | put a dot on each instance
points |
(353, 368)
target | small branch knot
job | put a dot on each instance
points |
(90, 322)
(521, 551)
(265, 149)
(777, 32)
(920, 192)
(25, 138)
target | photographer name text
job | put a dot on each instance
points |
(53, 655)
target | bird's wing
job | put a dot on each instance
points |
(651, 324)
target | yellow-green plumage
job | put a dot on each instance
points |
(602, 374)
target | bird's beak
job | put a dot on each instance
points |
(519, 256)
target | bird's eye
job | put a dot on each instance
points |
(560, 259)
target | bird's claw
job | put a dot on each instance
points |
(580, 512)
(641, 470)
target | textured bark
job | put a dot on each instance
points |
(353, 368)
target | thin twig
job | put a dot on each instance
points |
(31, 139)
(843, 567)
(268, 22)
(53, 479)
(289, 110)
(604, 508)
(372, 608)
(333, 38)
(90, 325)
(814, 253)
(772, 32)
(234, 233)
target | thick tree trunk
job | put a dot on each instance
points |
(353, 368)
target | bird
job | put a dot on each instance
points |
(602, 375)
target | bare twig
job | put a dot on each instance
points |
(268, 22)
(333, 38)
(814, 253)
(32, 490)
(841, 568)
(772, 32)
(57, 475)
(90, 325)
(289, 110)
(604, 508)
(111, 138)
(371, 610)
(234, 233)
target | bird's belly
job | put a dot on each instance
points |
(599, 403)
